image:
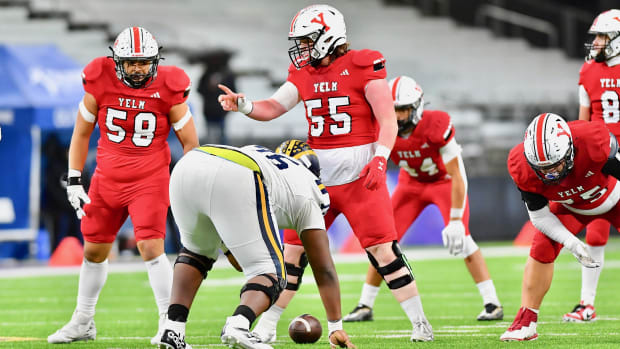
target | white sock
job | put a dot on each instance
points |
(590, 276)
(160, 278)
(369, 294)
(488, 293)
(534, 310)
(413, 309)
(269, 319)
(92, 278)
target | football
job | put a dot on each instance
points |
(305, 329)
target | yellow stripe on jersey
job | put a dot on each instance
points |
(232, 155)
(268, 228)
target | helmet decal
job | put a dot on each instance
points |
(302, 152)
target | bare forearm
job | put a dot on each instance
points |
(265, 110)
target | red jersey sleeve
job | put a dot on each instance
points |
(441, 130)
(371, 64)
(91, 74)
(593, 137)
(178, 84)
(521, 172)
(583, 72)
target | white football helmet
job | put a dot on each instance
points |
(135, 43)
(406, 93)
(607, 23)
(324, 26)
(548, 144)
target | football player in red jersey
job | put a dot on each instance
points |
(599, 99)
(352, 128)
(567, 174)
(134, 102)
(432, 172)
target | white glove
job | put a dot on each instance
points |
(453, 236)
(76, 195)
(580, 252)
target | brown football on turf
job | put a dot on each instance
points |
(305, 329)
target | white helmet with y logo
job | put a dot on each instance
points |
(406, 94)
(135, 44)
(323, 26)
(548, 147)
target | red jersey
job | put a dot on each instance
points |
(133, 122)
(602, 83)
(585, 190)
(337, 111)
(418, 154)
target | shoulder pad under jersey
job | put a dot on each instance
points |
(93, 69)
(177, 80)
(364, 58)
(440, 128)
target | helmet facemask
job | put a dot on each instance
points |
(610, 50)
(136, 44)
(316, 31)
(547, 176)
(415, 115)
(136, 80)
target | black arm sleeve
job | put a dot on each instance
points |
(533, 201)
(612, 167)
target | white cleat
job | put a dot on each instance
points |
(581, 313)
(160, 328)
(422, 331)
(523, 328)
(80, 328)
(265, 335)
(241, 338)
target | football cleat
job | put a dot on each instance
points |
(581, 313)
(360, 313)
(265, 335)
(491, 312)
(79, 328)
(160, 328)
(422, 331)
(241, 338)
(172, 340)
(523, 328)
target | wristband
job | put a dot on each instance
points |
(382, 150)
(74, 173)
(334, 326)
(456, 213)
(244, 105)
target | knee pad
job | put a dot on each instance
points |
(292, 270)
(202, 263)
(395, 265)
(273, 291)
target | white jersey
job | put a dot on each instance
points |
(298, 197)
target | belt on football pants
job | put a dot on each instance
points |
(232, 155)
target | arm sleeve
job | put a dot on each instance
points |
(584, 98)
(549, 224)
(533, 201)
(449, 151)
(287, 95)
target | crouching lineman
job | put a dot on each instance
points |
(568, 176)
(241, 195)
(435, 174)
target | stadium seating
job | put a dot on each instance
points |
(459, 67)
